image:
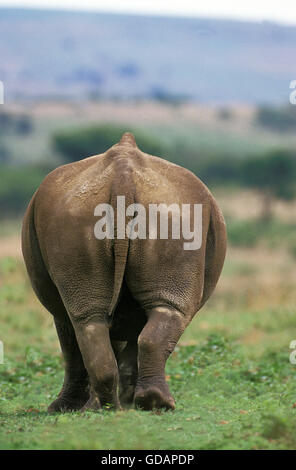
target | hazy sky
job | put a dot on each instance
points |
(273, 10)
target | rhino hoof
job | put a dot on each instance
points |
(153, 398)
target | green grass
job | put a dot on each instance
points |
(231, 377)
(223, 401)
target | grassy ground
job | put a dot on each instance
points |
(231, 377)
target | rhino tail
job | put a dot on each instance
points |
(120, 257)
(215, 251)
(120, 251)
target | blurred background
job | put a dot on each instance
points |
(206, 87)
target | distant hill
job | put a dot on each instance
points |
(79, 54)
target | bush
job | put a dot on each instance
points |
(76, 144)
(4, 154)
(15, 123)
(225, 114)
(274, 171)
(219, 170)
(273, 174)
(17, 186)
(277, 119)
(23, 125)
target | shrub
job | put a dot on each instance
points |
(273, 175)
(17, 186)
(76, 144)
(15, 123)
(277, 119)
(219, 170)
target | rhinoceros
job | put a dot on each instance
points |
(120, 301)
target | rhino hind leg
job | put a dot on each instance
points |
(75, 391)
(75, 388)
(127, 360)
(99, 359)
(156, 342)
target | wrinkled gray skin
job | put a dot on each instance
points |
(119, 306)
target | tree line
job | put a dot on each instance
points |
(272, 174)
